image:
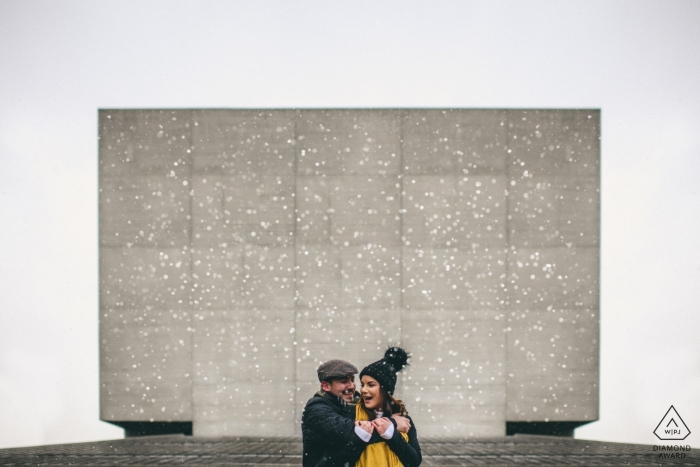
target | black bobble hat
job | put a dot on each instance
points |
(384, 370)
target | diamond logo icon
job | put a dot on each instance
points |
(672, 426)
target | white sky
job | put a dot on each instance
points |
(639, 61)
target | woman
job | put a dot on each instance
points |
(388, 447)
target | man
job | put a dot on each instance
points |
(329, 433)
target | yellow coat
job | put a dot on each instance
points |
(377, 454)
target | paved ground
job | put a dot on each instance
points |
(185, 450)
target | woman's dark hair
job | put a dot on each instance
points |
(390, 405)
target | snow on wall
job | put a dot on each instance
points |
(239, 249)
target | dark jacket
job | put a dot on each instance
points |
(328, 432)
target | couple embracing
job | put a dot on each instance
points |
(341, 427)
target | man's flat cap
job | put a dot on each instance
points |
(335, 369)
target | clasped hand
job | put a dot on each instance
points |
(379, 424)
(382, 424)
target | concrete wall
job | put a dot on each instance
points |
(239, 249)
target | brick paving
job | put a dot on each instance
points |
(186, 450)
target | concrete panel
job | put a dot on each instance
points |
(436, 279)
(429, 217)
(125, 397)
(345, 142)
(537, 140)
(145, 142)
(554, 142)
(218, 276)
(452, 347)
(579, 212)
(268, 280)
(243, 277)
(545, 342)
(263, 206)
(138, 341)
(446, 211)
(470, 395)
(457, 411)
(583, 142)
(368, 327)
(560, 278)
(366, 210)
(319, 280)
(313, 198)
(570, 396)
(553, 365)
(116, 129)
(163, 141)
(351, 277)
(145, 365)
(554, 211)
(148, 211)
(370, 277)
(239, 142)
(243, 209)
(454, 141)
(239, 346)
(210, 223)
(457, 376)
(533, 212)
(136, 278)
(242, 360)
(244, 409)
(459, 420)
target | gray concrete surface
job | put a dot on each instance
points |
(492, 451)
(241, 248)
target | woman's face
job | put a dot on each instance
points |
(371, 394)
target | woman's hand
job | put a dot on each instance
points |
(366, 425)
(381, 424)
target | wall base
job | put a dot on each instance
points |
(543, 428)
(154, 428)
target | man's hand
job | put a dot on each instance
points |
(381, 424)
(365, 425)
(402, 423)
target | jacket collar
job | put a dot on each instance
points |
(339, 401)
